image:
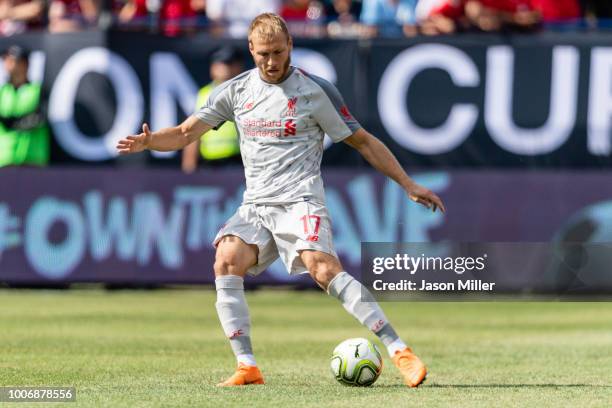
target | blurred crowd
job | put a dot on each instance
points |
(306, 18)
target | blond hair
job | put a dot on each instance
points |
(267, 26)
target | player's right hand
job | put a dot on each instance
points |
(135, 143)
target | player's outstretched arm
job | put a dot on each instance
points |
(164, 140)
(381, 158)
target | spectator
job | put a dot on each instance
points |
(494, 15)
(232, 17)
(24, 136)
(557, 10)
(221, 146)
(388, 18)
(72, 15)
(305, 18)
(294, 10)
(171, 17)
(133, 13)
(18, 15)
(176, 16)
(199, 7)
(441, 16)
(343, 18)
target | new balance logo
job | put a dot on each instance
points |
(290, 128)
(236, 333)
(378, 325)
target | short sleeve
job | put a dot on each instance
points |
(219, 107)
(331, 112)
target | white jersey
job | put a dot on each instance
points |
(281, 128)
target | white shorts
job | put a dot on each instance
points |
(281, 231)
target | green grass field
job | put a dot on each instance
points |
(165, 348)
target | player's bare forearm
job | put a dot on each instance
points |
(168, 139)
(164, 140)
(176, 138)
(381, 158)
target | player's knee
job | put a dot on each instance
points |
(234, 256)
(323, 272)
(228, 263)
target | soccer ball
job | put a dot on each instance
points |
(356, 362)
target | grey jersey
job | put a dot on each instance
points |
(281, 128)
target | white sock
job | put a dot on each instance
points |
(233, 314)
(247, 359)
(397, 345)
(357, 300)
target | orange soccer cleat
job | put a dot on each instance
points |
(412, 368)
(244, 375)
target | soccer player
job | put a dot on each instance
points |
(282, 114)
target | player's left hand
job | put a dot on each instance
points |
(426, 197)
